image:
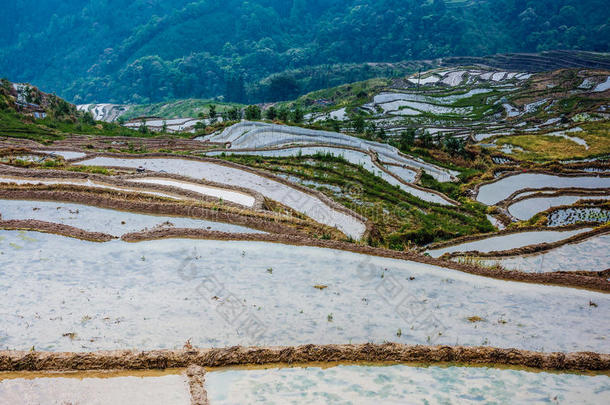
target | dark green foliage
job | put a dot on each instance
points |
(454, 146)
(253, 112)
(407, 139)
(234, 114)
(297, 115)
(283, 114)
(426, 140)
(267, 50)
(359, 124)
(271, 113)
(212, 111)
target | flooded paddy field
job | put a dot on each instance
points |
(150, 388)
(499, 190)
(574, 215)
(113, 222)
(308, 383)
(352, 156)
(527, 208)
(589, 255)
(353, 314)
(66, 154)
(223, 194)
(508, 241)
(256, 135)
(82, 182)
(63, 294)
(299, 200)
(355, 384)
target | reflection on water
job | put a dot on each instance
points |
(403, 384)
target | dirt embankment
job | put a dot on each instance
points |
(58, 229)
(90, 143)
(196, 377)
(237, 355)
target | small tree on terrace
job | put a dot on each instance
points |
(426, 140)
(271, 113)
(359, 124)
(407, 139)
(297, 115)
(454, 146)
(212, 110)
(370, 130)
(234, 114)
(143, 128)
(283, 114)
(253, 112)
(87, 118)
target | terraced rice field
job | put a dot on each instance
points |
(569, 216)
(352, 156)
(527, 208)
(507, 242)
(66, 154)
(270, 251)
(589, 255)
(113, 222)
(159, 294)
(499, 190)
(253, 135)
(81, 182)
(292, 197)
(223, 194)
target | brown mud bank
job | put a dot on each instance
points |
(88, 143)
(51, 227)
(196, 378)
(566, 279)
(240, 356)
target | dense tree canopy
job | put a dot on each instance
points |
(151, 50)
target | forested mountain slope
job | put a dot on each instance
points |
(145, 51)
